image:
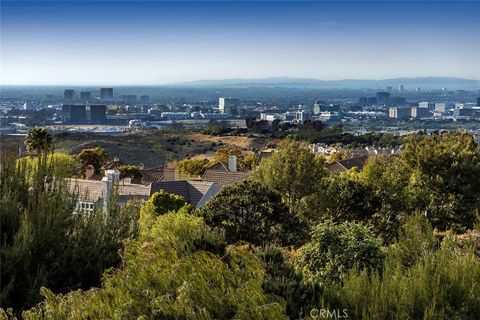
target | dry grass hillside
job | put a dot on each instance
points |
(153, 148)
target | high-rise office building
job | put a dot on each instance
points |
(144, 99)
(228, 105)
(85, 96)
(383, 97)
(130, 99)
(401, 87)
(363, 101)
(74, 114)
(302, 116)
(98, 114)
(399, 113)
(424, 105)
(316, 107)
(440, 107)
(418, 112)
(106, 93)
(68, 94)
(478, 102)
(30, 105)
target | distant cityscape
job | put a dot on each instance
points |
(108, 106)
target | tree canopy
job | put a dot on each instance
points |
(292, 171)
(129, 171)
(164, 202)
(92, 156)
(250, 212)
(193, 167)
(335, 248)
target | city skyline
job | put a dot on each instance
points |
(159, 42)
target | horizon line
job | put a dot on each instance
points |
(233, 79)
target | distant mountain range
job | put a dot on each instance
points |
(288, 82)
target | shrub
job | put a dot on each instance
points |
(336, 248)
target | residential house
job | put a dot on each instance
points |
(347, 164)
(195, 192)
(224, 174)
(97, 194)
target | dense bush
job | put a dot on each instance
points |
(283, 280)
(416, 283)
(175, 270)
(335, 249)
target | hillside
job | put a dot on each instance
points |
(153, 148)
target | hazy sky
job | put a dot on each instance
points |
(156, 42)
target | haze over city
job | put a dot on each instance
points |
(162, 42)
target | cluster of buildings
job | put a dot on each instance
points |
(70, 95)
(140, 112)
(129, 109)
(382, 98)
(437, 110)
(329, 113)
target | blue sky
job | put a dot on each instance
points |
(157, 42)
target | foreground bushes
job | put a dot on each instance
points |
(419, 282)
(177, 269)
(43, 243)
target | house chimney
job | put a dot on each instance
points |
(170, 174)
(89, 172)
(232, 163)
(111, 178)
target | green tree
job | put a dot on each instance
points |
(343, 197)
(445, 178)
(335, 248)
(63, 165)
(292, 171)
(250, 212)
(38, 140)
(164, 202)
(176, 269)
(129, 171)
(387, 177)
(193, 167)
(93, 156)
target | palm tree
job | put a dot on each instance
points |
(39, 140)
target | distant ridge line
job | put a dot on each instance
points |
(408, 83)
